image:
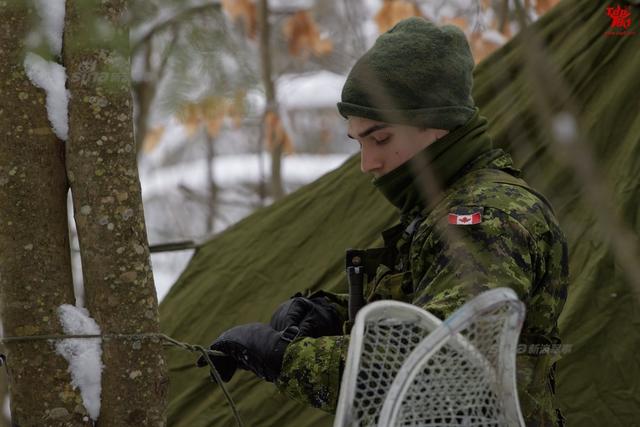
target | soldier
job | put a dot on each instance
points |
(468, 223)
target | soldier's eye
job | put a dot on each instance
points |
(383, 141)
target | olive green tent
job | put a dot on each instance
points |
(590, 173)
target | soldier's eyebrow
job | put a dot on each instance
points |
(371, 130)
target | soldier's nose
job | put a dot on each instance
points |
(369, 163)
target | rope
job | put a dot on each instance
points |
(206, 354)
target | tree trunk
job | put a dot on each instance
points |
(277, 190)
(212, 199)
(35, 267)
(102, 169)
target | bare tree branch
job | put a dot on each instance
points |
(180, 16)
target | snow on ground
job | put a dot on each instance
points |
(51, 77)
(230, 169)
(173, 140)
(83, 355)
(170, 216)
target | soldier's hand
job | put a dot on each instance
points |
(255, 347)
(316, 316)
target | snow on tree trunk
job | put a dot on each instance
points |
(102, 169)
(35, 266)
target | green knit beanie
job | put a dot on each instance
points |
(416, 74)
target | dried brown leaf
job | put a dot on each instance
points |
(190, 115)
(303, 36)
(244, 11)
(235, 108)
(275, 133)
(213, 125)
(393, 11)
(152, 139)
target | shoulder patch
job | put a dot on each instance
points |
(465, 216)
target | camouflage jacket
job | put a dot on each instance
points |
(518, 244)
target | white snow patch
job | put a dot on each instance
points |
(288, 5)
(167, 268)
(494, 37)
(371, 7)
(83, 354)
(448, 10)
(319, 89)
(256, 101)
(51, 77)
(231, 169)
(52, 15)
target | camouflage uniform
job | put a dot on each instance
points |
(518, 244)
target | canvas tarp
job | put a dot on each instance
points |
(242, 275)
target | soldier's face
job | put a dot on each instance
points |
(385, 146)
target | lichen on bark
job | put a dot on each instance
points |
(35, 271)
(118, 281)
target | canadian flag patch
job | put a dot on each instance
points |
(469, 219)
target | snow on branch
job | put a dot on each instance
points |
(83, 354)
(51, 77)
(51, 13)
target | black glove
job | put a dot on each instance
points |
(316, 317)
(255, 347)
